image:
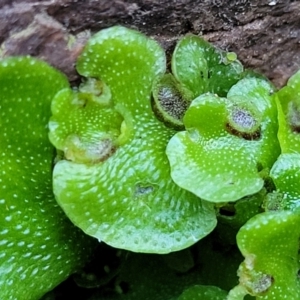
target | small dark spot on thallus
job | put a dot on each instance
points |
(141, 190)
(227, 211)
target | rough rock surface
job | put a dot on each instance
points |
(264, 33)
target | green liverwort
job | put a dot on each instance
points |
(114, 181)
(289, 115)
(227, 142)
(39, 246)
(286, 170)
(200, 67)
(197, 67)
(269, 243)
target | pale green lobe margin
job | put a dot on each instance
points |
(227, 142)
(39, 246)
(269, 242)
(129, 199)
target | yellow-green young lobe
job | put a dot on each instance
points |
(39, 247)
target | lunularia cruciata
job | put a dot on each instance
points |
(114, 181)
(201, 67)
(270, 241)
(286, 170)
(227, 142)
(197, 67)
(148, 158)
(39, 246)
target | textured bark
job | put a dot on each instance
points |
(264, 33)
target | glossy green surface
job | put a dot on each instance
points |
(269, 243)
(201, 67)
(128, 199)
(112, 176)
(39, 247)
(285, 174)
(227, 142)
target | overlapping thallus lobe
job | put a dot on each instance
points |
(229, 146)
(127, 199)
(39, 246)
(113, 180)
(129, 193)
(270, 240)
(130, 185)
(134, 180)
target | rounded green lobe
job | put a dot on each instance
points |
(198, 67)
(127, 62)
(270, 242)
(39, 247)
(129, 200)
(257, 92)
(217, 161)
(285, 171)
(201, 68)
(286, 174)
(72, 134)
